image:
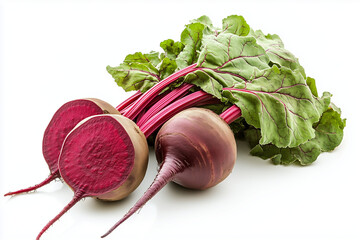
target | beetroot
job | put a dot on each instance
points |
(201, 144)
(196, 149)
(63, 121)
(104, 156)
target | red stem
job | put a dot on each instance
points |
(167, 171)
(129, 101)
(151, 103)
(194, 99)
(77, 197)
(143, 101)
(127, 107)
(231, 114)
(50, 178)
(164, 101)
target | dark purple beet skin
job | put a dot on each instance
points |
(196, 149)
(202, 143)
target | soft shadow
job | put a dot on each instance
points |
(110, 206)
(181, 193)
(103, 203)
(177, 189)
(244, 156)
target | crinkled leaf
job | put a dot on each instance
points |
(134, 76)
(238, 127)
(335, 108)
(191, 37)
(329, 130)
(171, 48)
(274, 48)
(206, 82)
(168, 59)
(137, 72)
(311, 83)
(328, 135)
(150, 59)
(167, 67)
(226, 60)
(236, 25)
(209, 29)
(237, 56)
(322, 103)
(279, 102)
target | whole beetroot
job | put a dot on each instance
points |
(196, 149)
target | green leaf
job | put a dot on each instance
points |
(168, 59)
(279, 102)
(167, 67)
(137, 72)
(191, 37)
(206, 82)
(134, 76)
(238, 56)
(329, 130)
(226, 60)
(311, 83)
(335, 108)
(274, 48)
(150, 59)
(209, 29)
(328, 135)
(236, 25)
(171, 48)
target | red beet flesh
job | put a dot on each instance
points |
(90, 158)
(97, 157)
(63, 121)
(196, 149)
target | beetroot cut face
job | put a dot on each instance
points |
(63, 121)
(56, 131)
(97, 157)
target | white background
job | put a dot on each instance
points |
(52, 52)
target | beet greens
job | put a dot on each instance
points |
(243, 67)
